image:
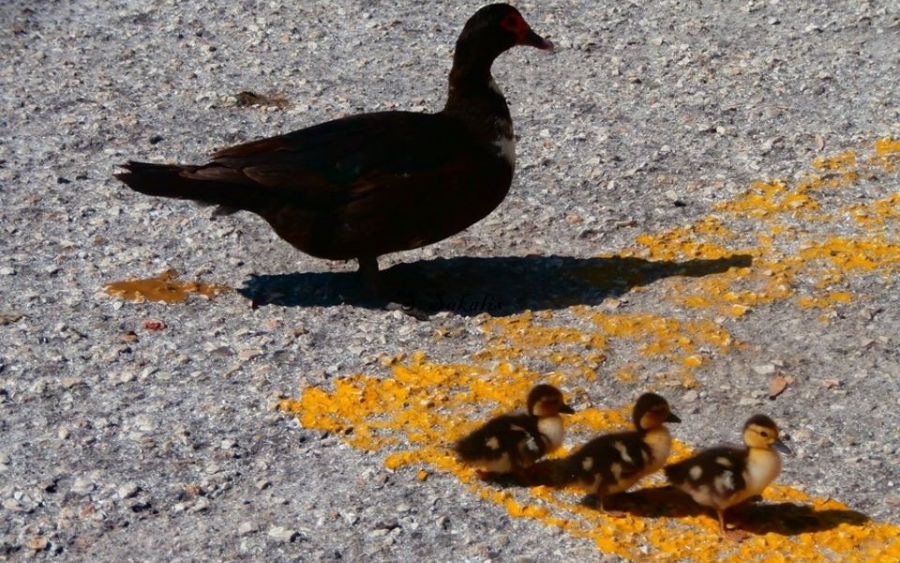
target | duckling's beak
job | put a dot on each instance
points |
(672, 418)
(782, 447)
(566, 409)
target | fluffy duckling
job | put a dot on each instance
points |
(724, 476)
(613, 463)
(511, 443)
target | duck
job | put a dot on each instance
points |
(371, 184)
(614, 463)
(510, 444)
(725, 476)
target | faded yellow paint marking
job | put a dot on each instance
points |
(424, 407)
(416, 411)
(164, 287)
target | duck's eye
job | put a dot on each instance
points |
(512, 22)
(763, 433)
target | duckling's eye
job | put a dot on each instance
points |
(763, 433)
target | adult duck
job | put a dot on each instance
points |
(371, 184)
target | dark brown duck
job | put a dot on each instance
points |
(372, 184)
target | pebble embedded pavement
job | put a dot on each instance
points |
(150, 431)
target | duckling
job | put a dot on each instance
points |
(613, 463)
(724, 476)
(510, 444)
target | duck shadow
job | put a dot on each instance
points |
(784, 518)
(471, 285)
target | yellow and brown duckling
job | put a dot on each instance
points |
(510, 444)
(724, 476)
(613, 463)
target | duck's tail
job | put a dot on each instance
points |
(209, 185)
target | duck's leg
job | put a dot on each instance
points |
(733, 535)
(368, 270)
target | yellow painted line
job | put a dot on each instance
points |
(420, 407)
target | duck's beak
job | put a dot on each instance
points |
(672, 418)
(534, 40)
(782, 447)
(566, 409)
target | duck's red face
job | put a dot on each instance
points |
(516, 24)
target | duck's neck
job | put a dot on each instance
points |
(475, 98)
(473, 91)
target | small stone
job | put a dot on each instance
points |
(128, 490)
(7, 271)
(765, 369)
(249, 354)
(82, 486)
(690, 396)
(282, 534)
(248, 528)
(38, 543)
(153, 324)
(145, 423)
(69, 382)
(777, 386)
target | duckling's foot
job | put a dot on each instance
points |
(596, 502)
(736, 536)
(484, 474)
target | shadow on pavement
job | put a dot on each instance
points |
(469, 286)
(757, 518)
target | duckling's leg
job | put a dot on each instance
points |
(733, 535)
(610, 513)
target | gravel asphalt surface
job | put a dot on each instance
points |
(705, 205)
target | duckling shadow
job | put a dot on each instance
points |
(787, 518)
(471, 285)
(784, 518)
(506, 481)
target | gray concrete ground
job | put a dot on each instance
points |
(121, 443)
